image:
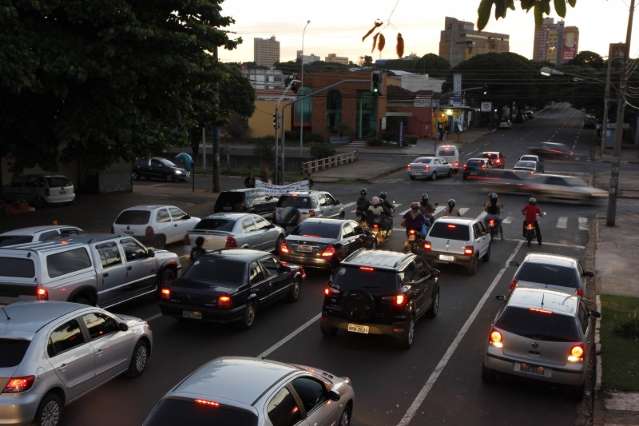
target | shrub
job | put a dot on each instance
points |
(629, 329)
(410, 140)
(322, 150)
(262, 139)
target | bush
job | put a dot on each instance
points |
(322, 150)
(410, 140)
(237, 127)
(629, 329)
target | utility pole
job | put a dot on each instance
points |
(277, 145)
(621, 103)
(302, 106)
(215, 161)
(604, 124)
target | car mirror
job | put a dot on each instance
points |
(333, 395)
(500, 297)
(150, 252)
(595, 314)
(123, 327)
(589, 274)
(186, 217)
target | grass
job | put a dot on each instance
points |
(620, 342)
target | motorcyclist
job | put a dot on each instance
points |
(451, 210)
(375, 211)
(493, 211)
(531, 212)
(427, 208)
(362, 204)
(414, 220)
(388, 211)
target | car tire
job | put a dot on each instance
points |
(50, 410)
(407, 338)
(248, 317)
(295, 292)
(488, 376)
(434, 308)
(345, 418)
(327, 331)
(471, 269)
(139, 359)
(486, 257)
(433, 177)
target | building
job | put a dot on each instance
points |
(332, 58)
(554, 43)
(266, 51)
(460, 41)
(261, 122)
(264, 79)
(415, 82)
(308, 59)
(570, 45)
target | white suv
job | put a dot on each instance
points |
(461, 241)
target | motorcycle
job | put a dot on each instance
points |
(379, 233)
(414, 242)
(531, 232)
(493, 227)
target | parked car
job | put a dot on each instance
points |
(475, 167)
(37, 233)
(527, 166)
(451, 154)
(40, 190)
(552, 150)
(380, 292)
(542, 335)
(536, 158)
(234, 391)
(159, 169)
(460, 241)
(295, 207)
(54, 353)
(246, 200)
(505, 124)
(429, 168)
(94, 269)
(550, 271)
(323, 243)
(563, 188)
(157, 225)
(495, 159)
(233, 230)
(231, 286)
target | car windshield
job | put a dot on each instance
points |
(166, 162)
(16, 267)
(423, 160)
(538, 324)
(362, 277)
(216, 224)
(450, 231)
(174, 411)
(528, 158)
(474, 163)
(58, 181)
(295, 201)
(229, 201)
(318, 229)
(133, 217)
(525, 164)
(207, 270)
(9, 240)
(446, 152)
(543, 273)
(12, 351)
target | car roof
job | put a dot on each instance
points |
(382, 259)
(426, 157)
(326, 221)
(455, 220)
(148, 207)
(491, 152)
(238, 379)
(26, 318)
(538, 298)
(36, 229)
(529, 155)
(65, 242)
(446, 147)
(551, 259)
(247, 255)
(229, 216)
(301, 193)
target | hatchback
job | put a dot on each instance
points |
(246, 200)
(560, 273)
(294, 208)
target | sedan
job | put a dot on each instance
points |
(527, 166)
(235, 391)
(323, 243)
(559, 273)
(563, 188)
(475, 167)
(553, 150)
(230, 286)
(536, 158)
(429, 168)
(232, 230)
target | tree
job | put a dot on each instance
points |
(365, 61)
(430, 64)
(587, 58)
(541, 8)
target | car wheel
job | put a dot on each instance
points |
(139, 360)
(411, 177)
(295, 292)
(407, 338)
(486, 257)
(345, 418)
(327, 331)
(248, 318)
(167, 277)
(50, 410)
(434, 176)
(488, 376)
(471, 269)
(434, 308)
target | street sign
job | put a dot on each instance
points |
(486, 106)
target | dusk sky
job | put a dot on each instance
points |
(338, 25)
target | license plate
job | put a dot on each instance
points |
(304, 249)
(531, 369)
(356, 328)
(446, 258)
(192, 315)
(411, 237)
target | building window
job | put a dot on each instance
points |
(366, 118)
(333, 109)
(304, 106)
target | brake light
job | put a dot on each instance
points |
(576, 354)
(224, 302)
(428, 246)
(42, 293)
(540, 311)
(411, 232)
(451, 226)
(580, 292)
(149, 232)
(498, 161)
(366, 269)
(530, 227)
(330, 291)
(408, 167)
(465, 166)
(165, 294)
(469, 250)
(231, 242)
(207, 403)
(491, 223)
(513, 284)
(400, 300)
(376, 226)
(327, 291)
(495, 339)
(19, 384)
(284, 248)
(329, 251)
(311, 213)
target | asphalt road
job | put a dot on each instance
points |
(435, 382)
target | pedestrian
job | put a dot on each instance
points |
(198, 250)
(440, 130)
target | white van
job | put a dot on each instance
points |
(451, 154)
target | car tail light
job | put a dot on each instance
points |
(540, 311)
(408, 167)
(411, 232)
(513, 284)
(400, 300)
(329, 251)
(469, 250)
(576, 353)
(312, 213)
(451, 226)
(498, 161)
(580, 292)
(19, 384)
(330, 290)
(530, 227)
(465, 166)
(165, 294)
(231, 242)
(42, 293)
(284, 248)
(149, 232)
(207, 403)
(495, 339)
(428, 246)
(491, 223)
(224, 302)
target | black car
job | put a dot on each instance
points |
(475, 167)
(246, 200)
(323, 243)
(159, 169)
(231, 286)
(380, 292)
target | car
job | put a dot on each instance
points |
(457, 240)
(559, 273)
(236, 391)
(295, 207)
(156, 225)
(429, 168)
(540, 334)
(451, 154)
(40, 190)
(505, 181)
(552, 150)
(475, 167)
(246, 200)
(536, 158)
(323, 243)
(563, 188)
(159, 169)
(380, 292)
(529, 114)
(94, 269)
(527, 166)
(231, 286)
(233, 230)
(53, 353)
(37, 233)
(495, 159)
(505, 124)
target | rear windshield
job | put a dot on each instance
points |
(321, 230)
(423, 160)
(538, 325)
(172, 411)
(297, 202)
(8, 240)
(354, 277)
(214, 269)
(548, 274)
(230, 198)
(16, 267)
(57, 182)
(450, 231)
(446, 152)
(12, 351)
(528, 158)
(133, 217)
(475, 162)
(216, 224)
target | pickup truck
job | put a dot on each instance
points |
(103, 270)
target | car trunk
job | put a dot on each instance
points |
(59, 186)
(12, 352)
(536, 351)
(132, 222)
(307, 245)
(213, 240)
(199, 293)
(419, 167)
(449, 238)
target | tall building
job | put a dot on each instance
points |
(266, 51)
(334, 59)
(308, 59)
(264, 79)
(459, 41)
(554, 43)
(570, 45)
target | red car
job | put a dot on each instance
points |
(495, 159)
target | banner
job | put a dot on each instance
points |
(277, 190)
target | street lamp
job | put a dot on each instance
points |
(302, 106)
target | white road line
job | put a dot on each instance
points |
(399, 230)
(564, 245)
(153, 317)
(583, 223)
(562, 222)
(401, 214)
(432, 379)
(508, 220)
(286, 339)
(463, 211)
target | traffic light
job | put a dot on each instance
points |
(485, 90)
(275, 120)
(376, 83)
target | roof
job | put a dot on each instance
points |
(491, 152)
(239, 254)
(27, 318)
(326, 221)
(378, 258)
(551, 259)
(555, 301)
(238, 379)
(230, 216)
(74, 240)
(147, 207)
(456, 220)
(36, 229)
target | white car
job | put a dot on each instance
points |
(37, 233)
(553, 272)
(527, 166)
(155, 224)
(458, 240)
(535, 158)
(40, 190)
(429, 168)
(450, 153)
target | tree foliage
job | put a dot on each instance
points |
(587, 58)
(431, 64)
(540, 8)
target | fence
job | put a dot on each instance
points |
(311, 167)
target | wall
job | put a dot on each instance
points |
(261, 122)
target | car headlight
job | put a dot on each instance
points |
(178, 172)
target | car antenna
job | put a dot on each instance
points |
(4, 311)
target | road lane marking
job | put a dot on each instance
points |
(562, 222)
(288, 338)
(564, 245)
(508, 220)
(432, 379)
(153, 317)
(583, 223)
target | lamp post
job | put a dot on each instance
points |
(302, 106)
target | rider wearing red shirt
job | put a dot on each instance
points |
(531, 212)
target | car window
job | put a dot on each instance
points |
(162, 216)
(423, 161)
(69, 232)
(68, 261)
(133, 217)
(58, 182)
(16, 267)
(477, 230)
(64, 338)
(109, 254)
(294, 201)
(318, 229)
(133, 250)
(583, 318)
(99, 324)
(283, 410)
(256, 274)
(270, 264)
(450, 231)
(538, 324)
(49, 236)
(482, 228)
(177, 214)
(446, 152)
(216, 224)
(543, 273)
(156, 163)
(12, 351)
(9, 240)
(197, 412)
(207, 269)
(553, 180)
(311, 392)
(354, 278)
(348, 230)
(248, 225)
(261, 223)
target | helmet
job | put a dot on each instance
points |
(532, 200)
(375, 201)
(425, 196)
(451, 203)
(362, 192)
(493, 196)
(414, 205)
(383, 195)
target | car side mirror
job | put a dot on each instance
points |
(150, 252)
(123, 327)
(186, 217)
(333, 395)
(595, 314)
(589, 274)
(500, 297)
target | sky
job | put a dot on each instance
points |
(337, 26)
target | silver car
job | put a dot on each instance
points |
(249, 392)
(542, 335)
(527, 166)
(294, 208)
(559, 273)
(37, 233)
(52, 353)
(236, 230)
(429, 168)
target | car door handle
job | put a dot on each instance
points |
(62, 366)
